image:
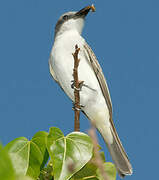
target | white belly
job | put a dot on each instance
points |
(63, 64)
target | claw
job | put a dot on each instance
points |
(81, 83)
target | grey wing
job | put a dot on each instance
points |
(99, 74)
(102, 82)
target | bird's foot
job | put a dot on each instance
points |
(78, 109)
(81, 84)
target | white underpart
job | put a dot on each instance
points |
(62, 63)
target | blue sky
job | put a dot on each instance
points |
(124, 36)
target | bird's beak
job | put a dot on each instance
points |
(83, 12)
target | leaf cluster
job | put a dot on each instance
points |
(52, 156)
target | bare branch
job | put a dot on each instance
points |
(76, 90)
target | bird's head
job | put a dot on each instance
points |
(72, 21)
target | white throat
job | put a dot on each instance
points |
(75, 25)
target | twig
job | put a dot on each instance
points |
(76, 90)
(98, 160)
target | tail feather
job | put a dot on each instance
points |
(116, 149)
(119, 155)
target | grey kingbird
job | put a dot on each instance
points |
(94, 96)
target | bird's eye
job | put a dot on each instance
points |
(65, 17)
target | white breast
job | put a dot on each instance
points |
(63, 63)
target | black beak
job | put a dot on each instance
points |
(83, 12)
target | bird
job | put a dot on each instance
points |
(94, 97)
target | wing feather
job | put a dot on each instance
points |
(102, 82)
(100, 76)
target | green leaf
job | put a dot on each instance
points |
(89, 170)
(86, 178)
(68, 154)
(28, 156)
(40, 140)
(23, 178)
(6, 168)
(109, 169)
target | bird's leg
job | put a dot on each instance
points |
(81, 84)
(78, 109)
